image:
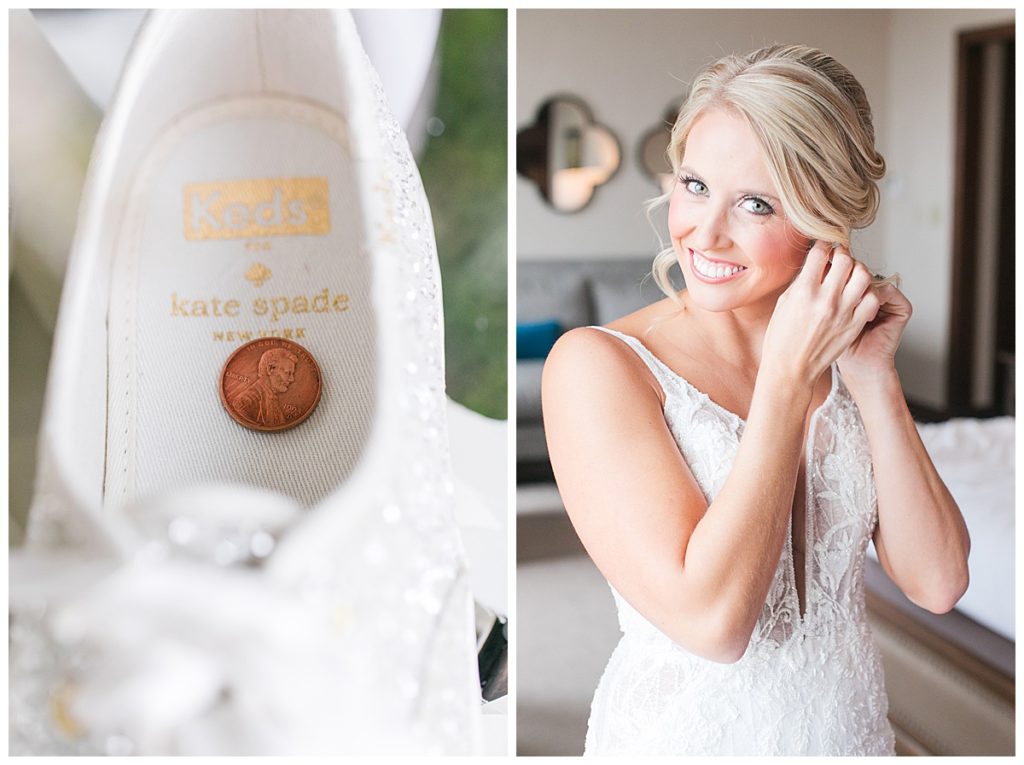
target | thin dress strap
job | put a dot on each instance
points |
(668, 379)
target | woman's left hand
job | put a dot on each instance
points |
(873, 353)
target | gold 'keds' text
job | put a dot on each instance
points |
(273, 307)
(256, 207)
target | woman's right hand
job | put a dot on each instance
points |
(819, 315)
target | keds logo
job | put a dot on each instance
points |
(256, 208)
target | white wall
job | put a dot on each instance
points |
(919, 131)
(627, 65)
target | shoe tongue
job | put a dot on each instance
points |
(220, 523)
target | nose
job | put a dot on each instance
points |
(710, 228)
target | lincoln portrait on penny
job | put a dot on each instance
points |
(259, 402)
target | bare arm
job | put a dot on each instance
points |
(921, 539)
(699, 573)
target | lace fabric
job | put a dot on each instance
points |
(807, 684)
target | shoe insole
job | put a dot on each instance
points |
(244, 222)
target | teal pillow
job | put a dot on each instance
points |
(534, 339)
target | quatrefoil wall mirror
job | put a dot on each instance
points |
(566, 153)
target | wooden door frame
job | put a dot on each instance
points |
(965, 223)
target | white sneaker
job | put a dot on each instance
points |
(193, 585)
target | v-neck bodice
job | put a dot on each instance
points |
(786, 650)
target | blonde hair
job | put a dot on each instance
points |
(813, 122)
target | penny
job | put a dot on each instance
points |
(270, 384)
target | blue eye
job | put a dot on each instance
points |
(694, 186)
(758, 206)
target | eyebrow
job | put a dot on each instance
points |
(751, 193)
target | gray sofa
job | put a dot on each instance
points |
(575, 293)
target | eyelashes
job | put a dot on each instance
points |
(686, 180)
(690, 183)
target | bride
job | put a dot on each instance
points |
(726, 453)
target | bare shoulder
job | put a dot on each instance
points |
(604, 361)
(589, 363)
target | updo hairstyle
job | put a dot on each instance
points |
(813, 122)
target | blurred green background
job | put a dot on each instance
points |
(464, 169)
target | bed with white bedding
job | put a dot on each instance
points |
(975, 459)
(950, 677)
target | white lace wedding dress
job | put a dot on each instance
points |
(807, 684)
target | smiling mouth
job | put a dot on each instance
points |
(713, 270)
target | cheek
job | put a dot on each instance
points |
(776, 249)
(680, 216)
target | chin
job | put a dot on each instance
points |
(708, 300)
(711, 297)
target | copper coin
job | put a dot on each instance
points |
(270, 384)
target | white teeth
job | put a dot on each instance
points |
(714, 270)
